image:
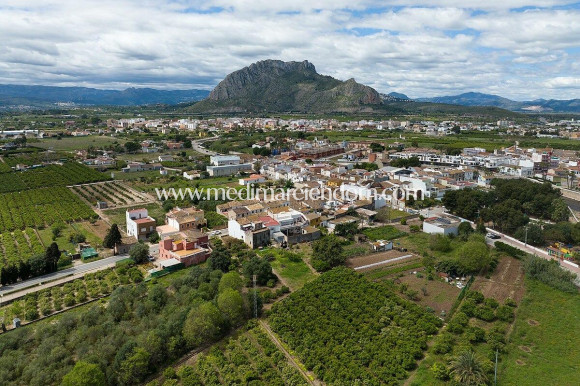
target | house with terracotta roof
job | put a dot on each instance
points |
(188, 247)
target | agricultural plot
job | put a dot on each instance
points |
(387, 232)
(91, 286)
(544, 343)
(480, 325)
(70, 173)
(289, 266)
(113, 193)
(19, 246)
(506, 282)
(37, 208)
(348, 330)
(251, 358)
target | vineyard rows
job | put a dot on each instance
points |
(71, 173)
(113, 193)
(38, 208)
(19, 246)
(252, 358)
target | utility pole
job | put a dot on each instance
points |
(254, 277)
(526, 238)
(495, 371)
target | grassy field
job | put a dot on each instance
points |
(547, 326)
(63, 241)
(290, 266)
(76, 143)
(387, 232)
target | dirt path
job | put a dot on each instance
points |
(306, 374)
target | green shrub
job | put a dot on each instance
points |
(69, 300)
(485, 313)
(505, 314)
(443, 343)
(440, 371)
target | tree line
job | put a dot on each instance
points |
(510, 205)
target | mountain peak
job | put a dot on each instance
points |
(277, 86)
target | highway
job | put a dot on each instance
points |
(196, 145)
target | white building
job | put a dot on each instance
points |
(444, 225)
(139, 224)
(227, 165)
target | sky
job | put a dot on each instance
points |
(519, 49)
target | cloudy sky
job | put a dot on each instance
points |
(521, 49)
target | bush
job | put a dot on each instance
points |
(64, 261)
(491, 302)
(468, 307)
(550, 273)
(505, 314)
(475, 334)
(485, 313)
(509, 250)
(440, 371)
(440, 243)
(510, 303)
(31, 314)
(69, 300)
(443, 343)
(475, 295)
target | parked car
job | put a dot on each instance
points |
(493, 236)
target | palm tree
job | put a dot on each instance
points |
(467, 369)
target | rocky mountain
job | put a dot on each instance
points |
(480, 99)
(47, 95)
(277, 86)
(394, 97)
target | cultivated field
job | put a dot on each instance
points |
(437, 294)
(114, 193)
(381, 260)
(507, 281)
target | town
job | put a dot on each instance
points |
(454, 217)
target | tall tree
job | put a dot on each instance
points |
(327, 253)
(51, 257)
(468, 370)
(84, 374)
(139, 253)
(231, 304)
(112, 237)
(203, 324)
(259, 267)
(220, 258)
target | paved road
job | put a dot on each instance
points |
(77, 270)
(196, 145)
(532, 251)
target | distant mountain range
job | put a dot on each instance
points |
(274, 86)
(277, 86)
(48, 95)
(479, 99)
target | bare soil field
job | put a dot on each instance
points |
(440, 296)
(506, 282)
(99, 228)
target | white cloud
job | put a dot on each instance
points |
(420, 48)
